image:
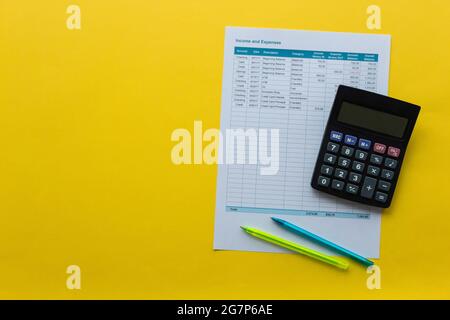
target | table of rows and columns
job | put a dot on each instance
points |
(293, 91)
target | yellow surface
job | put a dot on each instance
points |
(85, 171)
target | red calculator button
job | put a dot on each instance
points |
(379, 148)
(393, 152)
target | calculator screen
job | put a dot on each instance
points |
(371, 119)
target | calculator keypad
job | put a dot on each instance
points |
(358, 167)
(352, 189)
(393, 152)
(368, 187)
(376, 159)
(324, 181)
(361, 155)
(381, 197)
(341, 174)
(344, 162)
(326, 170)
(390, 163)
(350, 140)
(337, 184)
(364, 144)
(329, 158)
(379, 148)
(332, 147)
(387, 174)
(347, 151)
(336, 136)
(355, 177)
(373, 171)
(384, 185)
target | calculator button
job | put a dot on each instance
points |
(375, 159)
(336, 136)
(361, 155)
(351, 188)
(350, 140)
(390, 163)
(384, 185)
(326, 170)
(329, 158)
(358, 166)
(332, 147)
(393, 152)
(364, 144)
(339, 173)
(323, 181)
(355, 177)
(373, 171)
(381, 197)
(347, 151)
(344, 162)
(379, 148)
(368, 187)
(387, 174)
(337, 185)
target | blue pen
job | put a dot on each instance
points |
(311, 236)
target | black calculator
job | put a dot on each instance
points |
(363, 146)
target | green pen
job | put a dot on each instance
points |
(295, 247)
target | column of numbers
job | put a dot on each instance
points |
(314, 126)
(250, 170)
(239, 105)
(296, 134)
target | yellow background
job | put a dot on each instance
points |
(85, 171)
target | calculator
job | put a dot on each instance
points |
(363, 146)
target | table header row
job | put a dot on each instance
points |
(326, 55)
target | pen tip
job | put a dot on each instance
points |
(244, 228)
(276, 219)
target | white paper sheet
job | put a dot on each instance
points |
(287, 80)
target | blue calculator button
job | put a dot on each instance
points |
(350, 140)
(336, 136)
(364, 144)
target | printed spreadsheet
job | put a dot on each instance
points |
(287, 80)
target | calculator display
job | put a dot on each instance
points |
(371, 119)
